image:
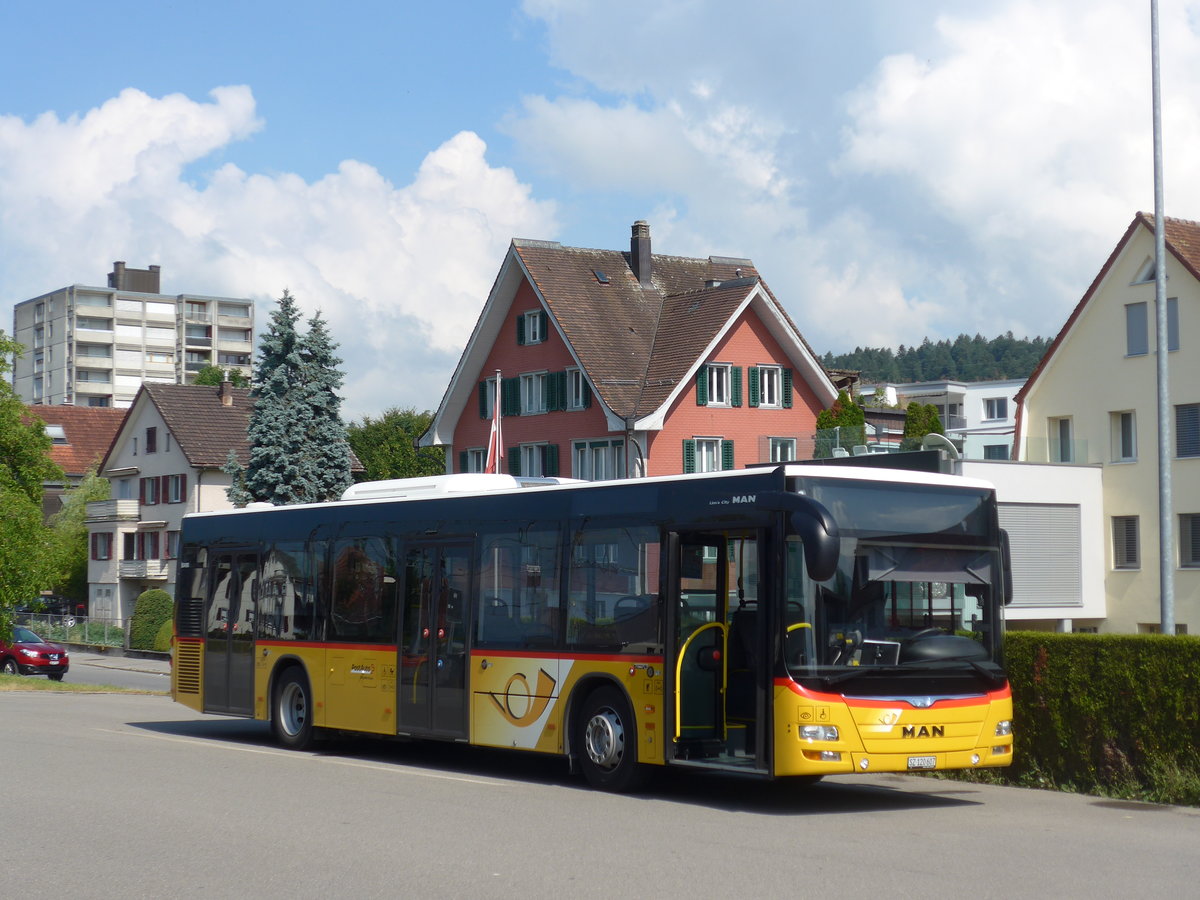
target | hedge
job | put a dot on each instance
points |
(153, 607)
(1111, 714)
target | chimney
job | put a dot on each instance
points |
(226, 391)
(116, 278)
(639, 252)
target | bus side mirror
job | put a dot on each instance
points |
(1006, 567)
(815, 526)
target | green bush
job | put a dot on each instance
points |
(152, 609)
(1117, 715)
(162, 640)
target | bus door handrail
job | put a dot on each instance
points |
(724, 629)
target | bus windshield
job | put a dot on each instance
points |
(916, 588)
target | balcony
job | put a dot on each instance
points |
(113, 511)
(159, 569)
(193, 341)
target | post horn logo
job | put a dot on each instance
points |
(518, 705)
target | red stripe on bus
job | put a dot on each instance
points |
(988, 696)
(590, 657)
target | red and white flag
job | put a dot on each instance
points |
(496, 440)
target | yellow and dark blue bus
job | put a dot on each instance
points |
(785, 622)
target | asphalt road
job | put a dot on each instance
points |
(119, 671)
(134, 796)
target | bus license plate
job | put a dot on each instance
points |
(922, 762)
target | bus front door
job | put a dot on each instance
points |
(432, 682)
(229, 644)
(718, 651)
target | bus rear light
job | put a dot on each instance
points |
(818, 733)
(1004, 728)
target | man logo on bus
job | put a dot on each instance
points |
(517, 705)
(923, 731)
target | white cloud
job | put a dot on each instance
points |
(400, 272)
(985, 171)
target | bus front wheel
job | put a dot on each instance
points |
(291, 716)
(606, 739)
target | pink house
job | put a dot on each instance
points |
(616, 364)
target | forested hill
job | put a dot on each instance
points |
(962, 359)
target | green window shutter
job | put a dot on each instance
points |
(726, 454)
(702, 387)
(545, 325)
(483, 410)
(587, 395)
(556, 390)
(689, 455)
(787, 388)
(510, 397)
(752, 385)
(550, 460)
(514, 460)
(735, 385)
(520, 330)
(462, 460)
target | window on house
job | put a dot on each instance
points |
(147, 545)
(1187, 430)
(536, 460)
(531, 327)
(1189, 541)
(1124, 436)
(135, 446)
(599, 460)
(176, 488)
(1062, 447)
(149, 491)
(782, 449)
(995, 408)
(533, 394)
(473, 459)
(102, 545)
(99, 401)
(129, 545)
(1172, 324)
(1125, 542)
(1137, 338)
(770, 392)
(995, 451)
(151, 440)
(707, 454)
(172, 547)
(579, 395)
(718, 385)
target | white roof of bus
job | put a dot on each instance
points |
(477, 484)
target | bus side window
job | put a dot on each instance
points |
(517, 604)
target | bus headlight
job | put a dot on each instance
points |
(1004, 728)
(818, 733)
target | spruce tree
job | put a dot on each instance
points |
(298, 449)
(329, 457)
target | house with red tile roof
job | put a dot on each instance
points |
(1092, 400)
(611, 364)
(79, 437)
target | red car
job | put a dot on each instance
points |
(28, 654)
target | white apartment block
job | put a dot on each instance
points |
(978, 415)
(95, 346)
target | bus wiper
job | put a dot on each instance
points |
(855, 671)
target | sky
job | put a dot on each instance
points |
(897, 169)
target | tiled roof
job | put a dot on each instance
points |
(636, 342)
(88, 429)
(203, 427)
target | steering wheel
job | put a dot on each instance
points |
(628, 606)
(926, 632)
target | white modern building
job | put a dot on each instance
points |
(95, 346)
(979, 415)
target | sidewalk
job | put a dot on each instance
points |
(85, 656)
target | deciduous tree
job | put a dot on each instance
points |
(386, 446)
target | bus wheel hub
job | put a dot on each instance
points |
(604, 739)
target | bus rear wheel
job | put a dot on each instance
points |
(607, 742)
(291, 713)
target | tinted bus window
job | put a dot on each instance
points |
(518, 589)
(363, 603)
(613, 593)
(286, 599)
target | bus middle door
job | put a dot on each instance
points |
(718, 650)
(432, 666)
(229, 648)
